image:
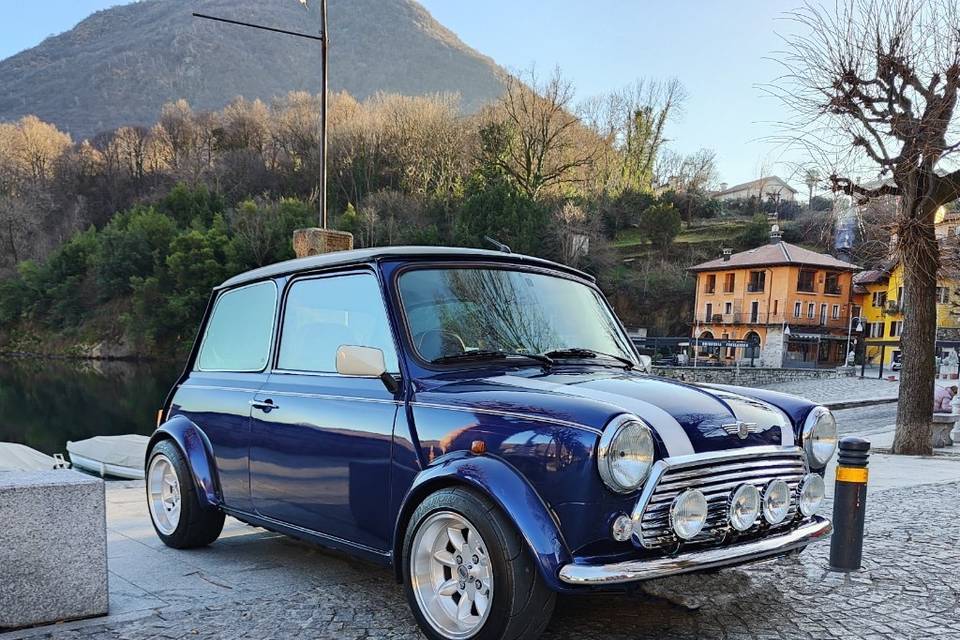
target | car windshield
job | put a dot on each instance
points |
(461, 311)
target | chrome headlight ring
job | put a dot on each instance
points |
(625, 453)
(819, 437)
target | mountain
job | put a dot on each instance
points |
(118, 66)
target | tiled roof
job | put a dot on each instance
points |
(870, 277)
(776, 254)
(755, 184)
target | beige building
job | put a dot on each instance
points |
(763, 188)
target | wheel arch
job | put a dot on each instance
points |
(198, 453)
(503, 485)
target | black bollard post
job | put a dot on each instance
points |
(849, 505)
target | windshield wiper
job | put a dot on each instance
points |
(578, 352)
(479, 355)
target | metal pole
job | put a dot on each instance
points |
(323, 95)
(849, 331)
(323, 116)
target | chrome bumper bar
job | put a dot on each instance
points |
(636, 570)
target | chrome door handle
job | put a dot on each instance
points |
(264, 405)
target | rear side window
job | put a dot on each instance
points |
(322, 314)
(238, 334)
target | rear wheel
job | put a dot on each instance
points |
(178, 517)
(467, 573)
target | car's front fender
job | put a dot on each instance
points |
(507, 488)
(196, 449)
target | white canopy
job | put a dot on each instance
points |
(20, 457)
(120, 451)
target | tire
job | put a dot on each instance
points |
(178, 517)
(505, 595)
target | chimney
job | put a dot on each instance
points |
(723, 186)
(775, 236)
(726, 254)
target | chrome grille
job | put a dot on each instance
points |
(717, 476)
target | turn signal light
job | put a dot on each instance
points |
(159, 417)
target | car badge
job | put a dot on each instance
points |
(740, 428)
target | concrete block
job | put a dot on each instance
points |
(940, 428)
(53, 547)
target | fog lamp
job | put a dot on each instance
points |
(744, 507)
(776, 501)
(811, 494)
(622, 528)
(688, 513)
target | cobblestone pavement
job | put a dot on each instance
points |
(909, 589)
(866, 421)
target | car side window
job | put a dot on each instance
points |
(237, 337)
(323, 314)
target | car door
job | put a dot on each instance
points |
(321, 442)
(230, 368)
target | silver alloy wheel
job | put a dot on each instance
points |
(163, 490)
(451, 575)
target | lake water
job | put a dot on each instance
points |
(44, 403)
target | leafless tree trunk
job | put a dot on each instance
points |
(874, 84)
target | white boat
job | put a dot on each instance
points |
(20, 457)
(117, 456)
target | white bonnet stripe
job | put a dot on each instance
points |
(674, 437)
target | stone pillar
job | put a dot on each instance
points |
(314, 241)
(771, 351)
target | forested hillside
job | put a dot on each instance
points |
(111, 245)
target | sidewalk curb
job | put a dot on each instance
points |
(852, 404)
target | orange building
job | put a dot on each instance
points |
(795, 304)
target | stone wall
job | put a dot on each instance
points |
(745, 376)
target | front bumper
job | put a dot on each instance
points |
(635, 570)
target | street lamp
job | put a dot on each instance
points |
(846, 355)
(322, 38)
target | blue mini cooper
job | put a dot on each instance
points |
(479, 421)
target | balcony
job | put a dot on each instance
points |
(771, 319)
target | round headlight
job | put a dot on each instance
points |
(776, 501)
(625, 454)
(744, 507)
(688, 513)
(811, 494)
(819, 437)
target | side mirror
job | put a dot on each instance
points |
(646, 364)
(366, 362)
(360, 361)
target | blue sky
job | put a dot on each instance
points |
(717, 49)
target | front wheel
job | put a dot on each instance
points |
(467, 573)
(178, 517)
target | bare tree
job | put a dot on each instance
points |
(544, 142)
(694, 172)
(633, 121)
(874, 85)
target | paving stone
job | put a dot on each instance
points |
(909, 589)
